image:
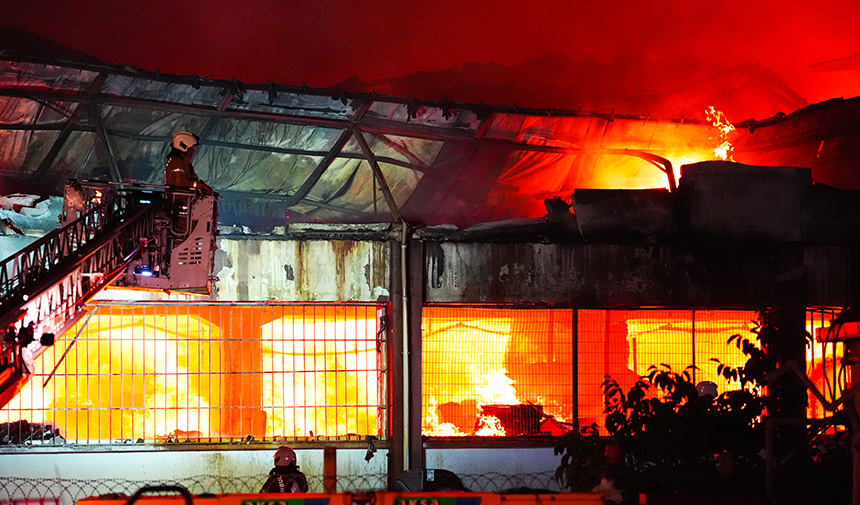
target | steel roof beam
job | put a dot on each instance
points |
(75, 116)
(220, 143)
(277, 198)
(377, 172)
(213, 121)
(373, 124)
(400, 148)
(103, 139)
(663, 164)
(321, 167)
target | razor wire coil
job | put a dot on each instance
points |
(59, 491)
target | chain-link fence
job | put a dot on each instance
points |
(55, 491)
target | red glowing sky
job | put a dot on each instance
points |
(323, 42)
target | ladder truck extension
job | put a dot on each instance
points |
(128, 236)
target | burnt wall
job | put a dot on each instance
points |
(732, 236)
(260, 268)
(605, 275)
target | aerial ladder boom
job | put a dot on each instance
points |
(145, 237)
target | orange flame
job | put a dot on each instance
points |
(437, 429)
(490, 426)
(498, 390)
(160, 377)
(721, 123)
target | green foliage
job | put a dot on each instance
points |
(674, 438)
(759, 363)
(582, 462)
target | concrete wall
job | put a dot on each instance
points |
(256, 269)
(269, 268)
(496, 468)
(616, 275)
(472, 464)
(184, 467)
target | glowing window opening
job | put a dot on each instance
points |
(504, 372)
(151, 373)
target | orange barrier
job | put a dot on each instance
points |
(285, 499)
(228, 499)
(458, 498)
(553, 499)
(437, 498)
(381, 498)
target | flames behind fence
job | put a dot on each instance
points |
(510, 372)
(162, 373)
(150, 373)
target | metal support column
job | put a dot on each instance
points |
(396, 460)
(415, 286)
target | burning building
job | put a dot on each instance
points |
(427, 274)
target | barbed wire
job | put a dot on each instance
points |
(58, 491)
(493, 482)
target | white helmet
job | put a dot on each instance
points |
(185, 140)
(285, 456)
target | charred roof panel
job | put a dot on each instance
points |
(274, 151)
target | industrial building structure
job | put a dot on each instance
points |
(404, 284)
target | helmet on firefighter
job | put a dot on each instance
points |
(285, 456)
(707, 388)
(185, 140)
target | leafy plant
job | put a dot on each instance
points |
(582, 461)
(676, 440)
(759, 362)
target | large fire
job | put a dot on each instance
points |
(240, 371)
(305, 379)
(476, 383)
(620, 171)
(497, 389)
(175, 374)
(495, 372)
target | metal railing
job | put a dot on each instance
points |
(98, 242)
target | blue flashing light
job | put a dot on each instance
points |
(143, 271)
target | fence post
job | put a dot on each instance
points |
(329, 470)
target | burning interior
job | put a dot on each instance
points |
(150, 373)
(158, 373)
(539, 372)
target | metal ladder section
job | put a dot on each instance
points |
(48, 282)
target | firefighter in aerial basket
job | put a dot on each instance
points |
(179, 174)
(285, 477)
(179, 171)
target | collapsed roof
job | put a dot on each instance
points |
(284, 154)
